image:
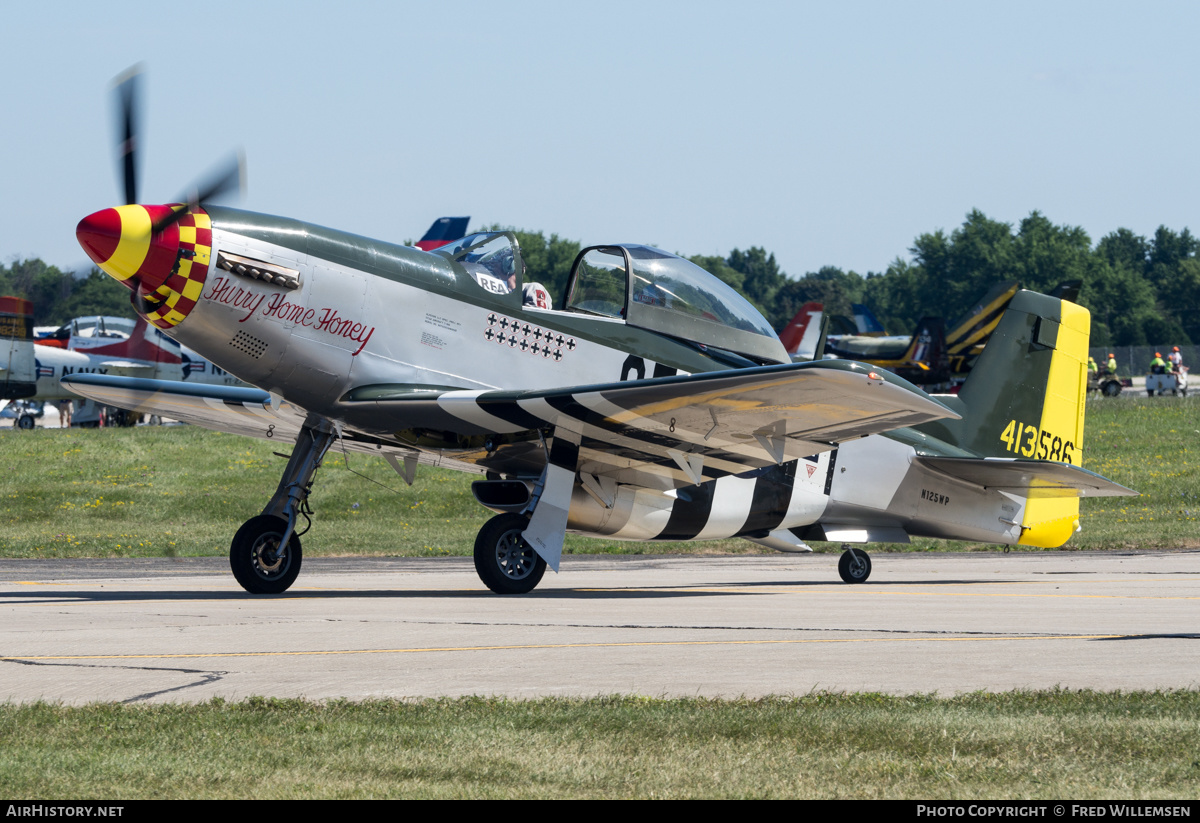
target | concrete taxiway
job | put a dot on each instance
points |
(182, 630)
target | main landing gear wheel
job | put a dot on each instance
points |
(504, 561)
(254, 556)
(854, 566)
(25, 421)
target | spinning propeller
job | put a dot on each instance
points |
(159, 252)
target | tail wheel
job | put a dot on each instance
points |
(854, 566)
(256, 559)
(503, 560)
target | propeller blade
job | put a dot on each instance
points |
(229, 176)
(128, 97)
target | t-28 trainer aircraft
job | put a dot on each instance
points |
(648, 402)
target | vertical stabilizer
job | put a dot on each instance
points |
(444, 230)
(927, 350)
(866, 322)
(17, 364)
(1025, 399)
(974, 327)
(799, 336)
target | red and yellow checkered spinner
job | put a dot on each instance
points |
(166, 267)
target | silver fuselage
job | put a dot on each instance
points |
(367, 314)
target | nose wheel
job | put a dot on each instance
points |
(854, 565)
(504, 561)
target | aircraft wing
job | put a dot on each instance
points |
(665, 432)
(669, 432)
(1028, 478)
(234, 409)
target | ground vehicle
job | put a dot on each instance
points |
(1175, 383)
(1108, 385)
(24, 413)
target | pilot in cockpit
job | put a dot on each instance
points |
(494, 271)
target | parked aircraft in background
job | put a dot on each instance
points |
(95, 345)
(963, 343)
(920, 358)
(654, 404)
(865, 321)
(969, 334)
(801, 336)
(103, 345)
(17, 366)
(444, 230)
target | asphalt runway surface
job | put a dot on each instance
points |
(77, 631)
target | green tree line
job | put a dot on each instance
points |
(1140, 290)
(58, 295)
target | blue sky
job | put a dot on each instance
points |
(830, 135)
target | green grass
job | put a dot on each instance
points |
(182, 490)
(1151, 445)
(1082, 745)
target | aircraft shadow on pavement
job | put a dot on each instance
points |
(109, 596)
(714, 589)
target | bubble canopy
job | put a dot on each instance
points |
(661, 292)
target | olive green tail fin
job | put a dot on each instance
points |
(1024, 399)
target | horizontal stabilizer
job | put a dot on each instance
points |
(1028, 478)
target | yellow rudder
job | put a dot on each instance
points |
(1050, 521)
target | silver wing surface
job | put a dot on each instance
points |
(245, 411)
(663, 433)
(236, 410)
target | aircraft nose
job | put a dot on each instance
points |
(123, 243)
(99, 234)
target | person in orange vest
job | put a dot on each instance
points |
(1176, 360)
(1158, 365)
(1111, 366)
